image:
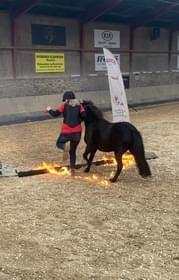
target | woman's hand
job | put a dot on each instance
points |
(48, 108)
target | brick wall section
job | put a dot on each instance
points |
(50, 86)
(153, 79)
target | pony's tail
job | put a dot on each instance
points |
(139, 154)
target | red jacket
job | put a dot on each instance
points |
(79, 114)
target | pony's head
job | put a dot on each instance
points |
(92, 112)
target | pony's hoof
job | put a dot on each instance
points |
(112, 180)
(86, 170)
(146, 176)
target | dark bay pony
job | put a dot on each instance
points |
(112, 137)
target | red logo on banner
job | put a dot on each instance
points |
(117, 101)
(107, 35)
(115, 77)
(110, 60)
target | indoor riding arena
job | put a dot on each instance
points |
(54, 226)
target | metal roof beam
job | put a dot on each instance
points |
(93, 12)
(23, 7)
(60, 6)
(159, 12)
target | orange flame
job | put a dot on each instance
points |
(95, 179)
(51, 168)
(127, 159)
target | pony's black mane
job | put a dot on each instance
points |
(91, 109)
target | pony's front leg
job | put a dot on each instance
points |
(87, 169)
(118, 157)
(86, 153)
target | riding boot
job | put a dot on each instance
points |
(66, 152)
(74, 172)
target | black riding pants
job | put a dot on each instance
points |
(74, 139)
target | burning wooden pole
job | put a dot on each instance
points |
(34, 172)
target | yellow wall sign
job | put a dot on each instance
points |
(49, 62)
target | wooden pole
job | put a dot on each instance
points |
(34, 172)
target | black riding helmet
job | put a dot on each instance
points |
(68, 95)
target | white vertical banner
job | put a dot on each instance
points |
(119, 104)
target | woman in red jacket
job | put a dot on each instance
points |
(73, 114)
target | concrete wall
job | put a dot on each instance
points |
(142, 42)
(174, 48)
(30, 91)
(25, 60)
(89, 62)
(32, 107)
(5, 41)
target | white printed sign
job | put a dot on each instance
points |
(100, 64)
(106, 38)
(119, 104)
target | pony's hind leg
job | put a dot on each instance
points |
(92, 154)
(118, 157)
